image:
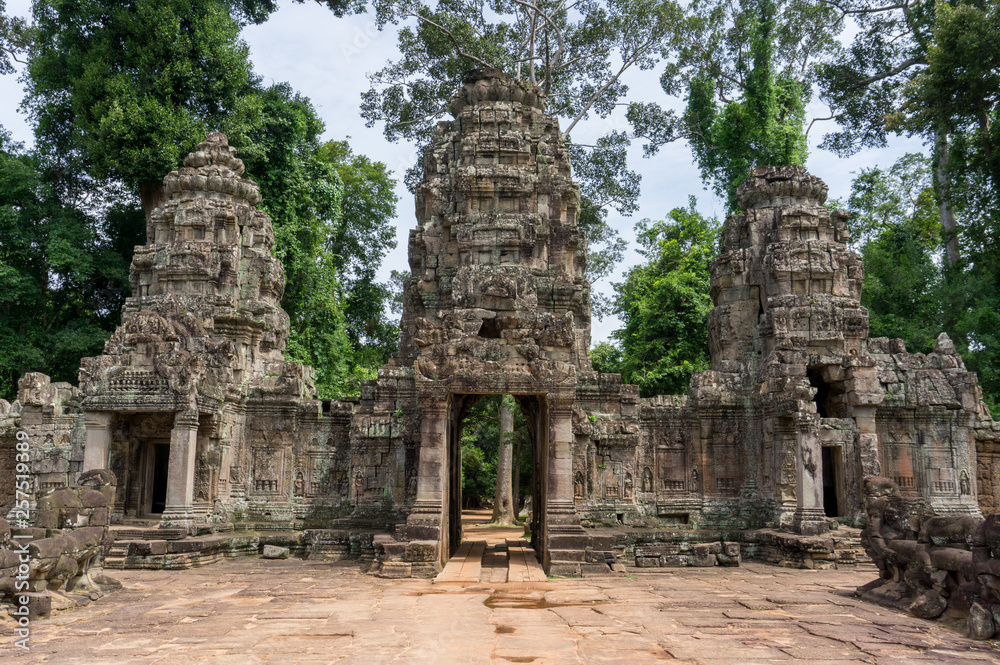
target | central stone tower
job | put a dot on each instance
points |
(497, 304)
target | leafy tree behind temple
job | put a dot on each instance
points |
(896, 226)
(359, 244)
(745, 69)
(63, 272)
(576, 52)
(124, 89)
(13, 40)
(664, 303)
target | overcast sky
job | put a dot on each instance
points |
(327, 59)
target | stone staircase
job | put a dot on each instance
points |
(138, 537)
(847, 547)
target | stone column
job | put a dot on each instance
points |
(559, 497)
(810, 518)
(427, 520)
(564, 541)
(98, 442)
(180, 471)
(864, 418)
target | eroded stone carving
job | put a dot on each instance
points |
(932, 564)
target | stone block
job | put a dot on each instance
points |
(39, 604)
(702, 561)
(706, 549)
(394, 569)
(421, 551)
(981, 625)
(146, 548)
(275, 552)
(393, 551)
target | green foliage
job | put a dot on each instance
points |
(120, 91)
(62, 270)
(13, 39)
(577, 53)
(606, 358)
(277, 134)
(664, 303)
(958, 94)
(359, 244)
(895, 221)
(746, 70)
(481, 449)
(124, 89)
(479, 475)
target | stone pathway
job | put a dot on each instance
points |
(250, 611)
(494, 563)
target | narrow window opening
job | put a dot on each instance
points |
(822, 391)
(489, 329)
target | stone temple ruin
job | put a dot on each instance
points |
(209, 430)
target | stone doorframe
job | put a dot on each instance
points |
(178, 511)
(438, 502)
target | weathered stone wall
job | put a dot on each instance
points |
(795, 384)
(49, 415)
(61, 551)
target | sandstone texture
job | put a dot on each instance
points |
(55, 560)
(933, 566)
(256, 611)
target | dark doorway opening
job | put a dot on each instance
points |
(161, 462)
(531, 455)
(830, 396)
(822, 391)
(831, 478)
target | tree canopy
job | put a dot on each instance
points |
(746, 71)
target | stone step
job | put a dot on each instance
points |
(523, 565)
(475, 561)
(466, 564)
(123, 532)
(847, 546)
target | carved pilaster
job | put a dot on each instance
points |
(180, 471)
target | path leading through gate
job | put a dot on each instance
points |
(491, 554)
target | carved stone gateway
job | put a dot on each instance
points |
(207, 426)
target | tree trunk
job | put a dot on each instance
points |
(503, 505)
(152, 196)
(947, 212)
(516, 472)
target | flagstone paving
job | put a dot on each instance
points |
(249, 611)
